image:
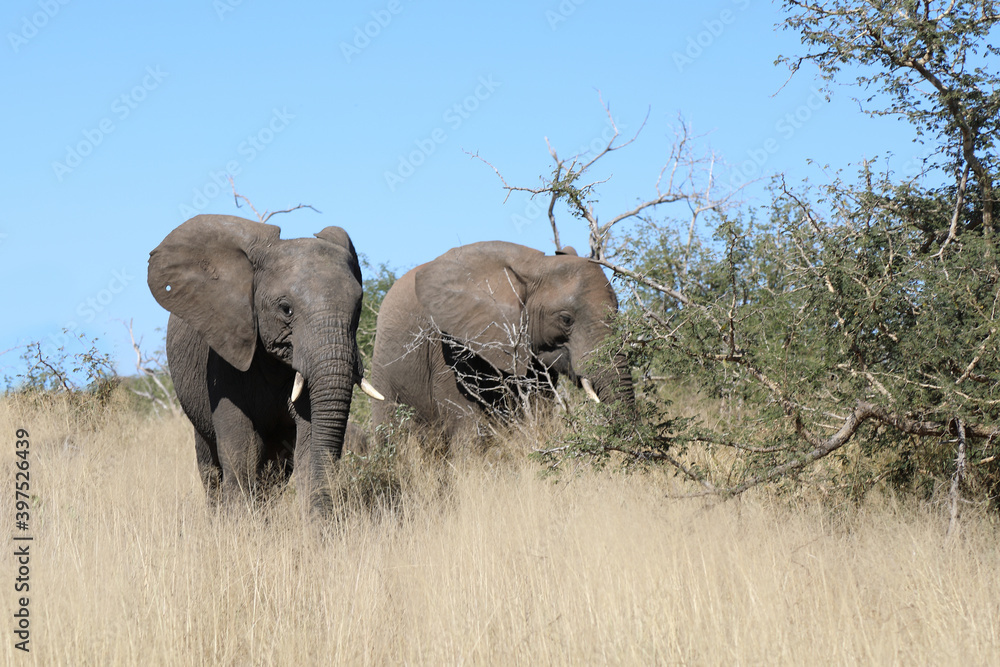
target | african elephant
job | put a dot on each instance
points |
(261, 348)
(487, 322)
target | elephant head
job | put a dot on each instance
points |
(516, 307)
(281, 312)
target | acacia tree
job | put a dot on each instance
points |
(932, 62)
(913, 285)
(860, 313)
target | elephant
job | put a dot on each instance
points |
(261, 346)
(483, 325)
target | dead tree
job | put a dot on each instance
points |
(153, 369)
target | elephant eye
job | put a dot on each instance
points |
(566, 319)
(286, 309)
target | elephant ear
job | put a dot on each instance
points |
(202, 273)
(338, 236)
(477, 298)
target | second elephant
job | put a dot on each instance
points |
(485, 324)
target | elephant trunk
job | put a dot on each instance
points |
(613, 384)
(616, 384)
(329, 383)
(605, 367)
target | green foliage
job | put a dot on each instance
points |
(88, 379)
(798, 319)
(597, 434)
(84, 382)
(931, 63)
(373, 481)
(855, 322)
(88, 371)
(929, 59)
(375, 288)
(396, 428)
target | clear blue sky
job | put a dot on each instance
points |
(120, 117)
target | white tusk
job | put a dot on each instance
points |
(297, 386)
(589, 390)
(367, 387)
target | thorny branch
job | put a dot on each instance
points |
(819, 446)
(501, 393)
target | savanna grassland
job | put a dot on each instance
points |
(472, 560)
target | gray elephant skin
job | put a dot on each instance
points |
(261, 348)
(454, 333)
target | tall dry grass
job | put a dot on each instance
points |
(480, 561)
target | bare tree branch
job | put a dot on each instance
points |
(267, 215)
(152, 368)
(56, 373)
(959, 200)
(863, 412)
(237, 197)
(649, 282)
(564, 183)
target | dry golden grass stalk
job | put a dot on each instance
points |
(474, 560)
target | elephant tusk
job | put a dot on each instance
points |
(367, 387)
(297, 386)
(589, 390)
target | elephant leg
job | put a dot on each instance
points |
(240, 451)
(208, 466)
